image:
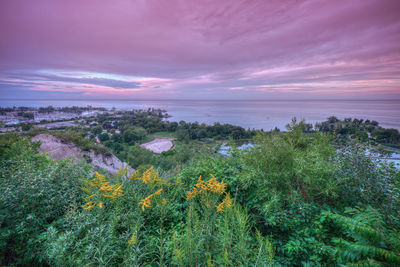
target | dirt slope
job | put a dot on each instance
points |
(58, 148)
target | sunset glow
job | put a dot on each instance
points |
(200, 49)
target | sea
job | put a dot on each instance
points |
(253, 114)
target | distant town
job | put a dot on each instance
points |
(21, 118)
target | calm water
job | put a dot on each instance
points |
(248, 114)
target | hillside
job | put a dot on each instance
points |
(59, 148)
(294, 198)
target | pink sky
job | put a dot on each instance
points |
(219, 49)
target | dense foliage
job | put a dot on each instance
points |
(362, 129)
(292, 199)
(36, 192)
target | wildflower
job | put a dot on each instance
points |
(220, 207)
(149, 177)
(88, 206)
(226, 203)
(192, 194)
(147, 201)
(86, 190)
(212, 185)
(86, 198)
(132, 240)
(117, 193)
(163, 201)
(158, 192)
(135, 176)
(107, 188)
(189, 195)
(99, 186)
(215, 186)
(146, 178)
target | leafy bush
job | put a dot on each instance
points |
(134, 134)
(367, 241)
(138, 156)
(281, 202)
(363, 181)
(301, 234)
(104, 137)
(35, 193)
(78, 139)
(294, 167)
(96, 130)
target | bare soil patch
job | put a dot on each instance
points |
(159, 144)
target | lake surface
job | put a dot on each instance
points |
(263, 114)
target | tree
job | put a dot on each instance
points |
(238, 133)
(134, 134)
(332, 119)
(139, 156)
(28, 115)
(96, 130)
(104, 137)
(117, 138)
(182, 134)
(26, 126)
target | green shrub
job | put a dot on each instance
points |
(368, 239)
(138, 156)
(363, 181)
(35, 193)
(301, 234)
(294, 167)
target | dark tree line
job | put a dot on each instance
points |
(362, 129)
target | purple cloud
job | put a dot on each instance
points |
(202, 49)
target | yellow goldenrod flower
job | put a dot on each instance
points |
(149, 177)
(90, 207)
(87, 204)
(135, 176)
(147, 201)
(107, 188)
(86, 198)
(220, 207)
(86, 190)
(132, 240)
(212, 185)
(226, 203)
(158, 192)
(116, 193)
(188, 195)
(99, 186)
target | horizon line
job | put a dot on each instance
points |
(172, 99)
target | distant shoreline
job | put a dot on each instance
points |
(216, 100)
(252, 114)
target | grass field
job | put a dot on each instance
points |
(147, 139)
(164, 134)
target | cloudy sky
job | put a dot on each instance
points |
(225, 49)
